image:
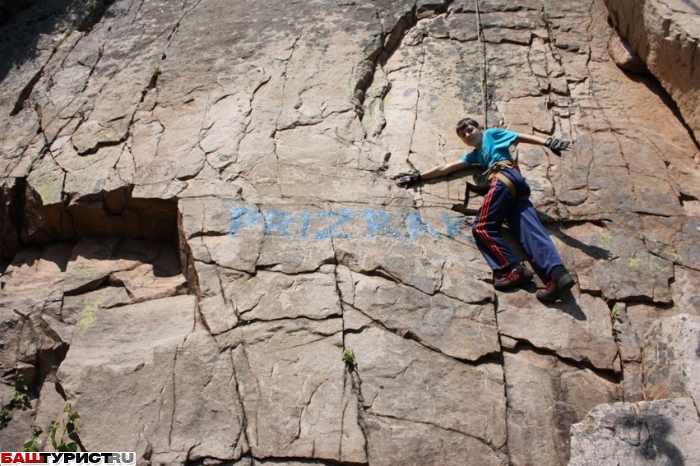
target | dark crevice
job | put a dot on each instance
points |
(488, 358)
(514, 7)
(433, 424)
(245, 322)
(684, 197)
(607, 374)
(302, 319)
(100, 53)
(102, 144)
(12, 201)
(26, 92)
(363, 74)
(97, 10)
(351, 375)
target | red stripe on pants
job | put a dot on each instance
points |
(484, 213)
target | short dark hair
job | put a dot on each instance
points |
(464, 122)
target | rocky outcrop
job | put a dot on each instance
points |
(203, 253)
(666, 35)
(624, 55)
(637, 434)
(651, 431)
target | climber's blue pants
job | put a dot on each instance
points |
(499, 206)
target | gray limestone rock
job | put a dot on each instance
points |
(639, 434)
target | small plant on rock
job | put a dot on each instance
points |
(68, 428)
(349, 357)
(154, 77)
(20, 399)
(5, 416)
(616, 320)
(545, 16)
(34, 442)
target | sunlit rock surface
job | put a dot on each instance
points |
(204, 255)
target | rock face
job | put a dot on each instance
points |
(666, 35)
(663, 429)
(203, 253)
(655, 432)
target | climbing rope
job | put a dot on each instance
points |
(482, 45)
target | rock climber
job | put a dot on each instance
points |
(507, 199)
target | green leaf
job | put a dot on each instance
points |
(71, 447)
(31, 444)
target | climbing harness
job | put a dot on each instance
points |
(482, 184)
(495, 170)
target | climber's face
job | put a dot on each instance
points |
(470, 135)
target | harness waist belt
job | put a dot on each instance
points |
(509, 184)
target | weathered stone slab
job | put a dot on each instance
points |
(47, 182)
(624, 55)
(545, 397)
(292, 383)
(30, 301)
(36, 273)
(135, 363)
(670, 358)
(94, 261)
(276, 133)
(282, 253)
(214, 233)
(404, 386)
(273, 296)
(640, 434)
(215, 306)
(579, 330)
(80, 309)
(631, 325)
(684, 290)
(441, 323)
(675, 239)
(615, 261)
(208, 419)
(428, 249)
(19, 146)
(144, 283)
(665, 34)
(396, 441)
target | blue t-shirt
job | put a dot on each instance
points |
(495, 147)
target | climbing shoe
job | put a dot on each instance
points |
(514, 276)
(555, 288)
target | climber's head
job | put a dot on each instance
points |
(469, 131)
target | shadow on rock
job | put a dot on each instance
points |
(23, 23)
(595, 252)
(568, 304)
(652, 431)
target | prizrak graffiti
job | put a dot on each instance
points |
(345, 223)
